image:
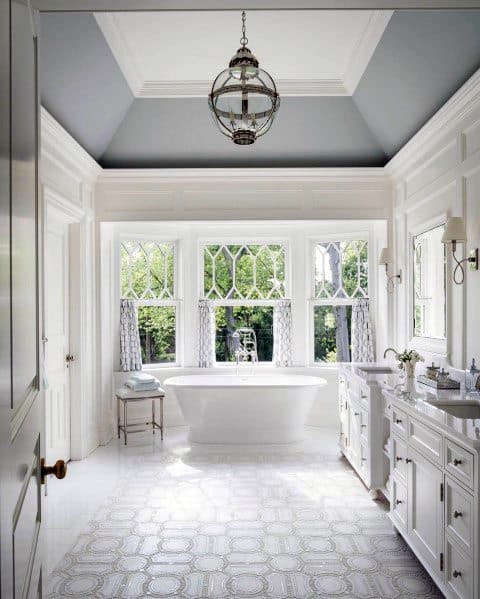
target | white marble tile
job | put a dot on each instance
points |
(174, 520)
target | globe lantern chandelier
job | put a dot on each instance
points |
(244, 98)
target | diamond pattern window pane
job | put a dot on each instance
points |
(236, 271)
(341, 269)
(147, 270)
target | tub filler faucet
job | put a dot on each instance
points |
(245, 343)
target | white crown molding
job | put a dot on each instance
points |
(333, 175)
(60, 146)
(201, 89)
(120, 50)
(443, 123)
(365, 48)
(324, 85)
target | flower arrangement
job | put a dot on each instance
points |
(407, 361)
(409, 356)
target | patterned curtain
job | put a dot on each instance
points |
(282, 333)
(206, 334)
(130, 351)
(362, 333)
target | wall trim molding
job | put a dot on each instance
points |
(443, 123)
(62, 149)
(324, 85)
(333, 175)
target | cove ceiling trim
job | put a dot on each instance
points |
(139, 52)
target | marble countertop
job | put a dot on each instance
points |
(416, 401)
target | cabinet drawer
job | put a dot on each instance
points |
(399, 457)
(398, 503)
(459, 514)
(458, 571)
(399, 422)
(425, 439)
(459, 462)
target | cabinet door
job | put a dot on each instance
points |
(425, 509)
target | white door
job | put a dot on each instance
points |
(57, 395)
(21, 394)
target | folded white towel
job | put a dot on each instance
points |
(143, 377)
(142, 386)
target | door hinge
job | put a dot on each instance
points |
(441, 562)
(441, 491)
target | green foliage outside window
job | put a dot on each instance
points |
(228, 318)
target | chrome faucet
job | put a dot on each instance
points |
(390, 349)
(245, 341)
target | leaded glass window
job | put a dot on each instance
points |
(244, 280)
(147, 270)
(244, 271)
(147, 275)
(340, 277)
(341, 269)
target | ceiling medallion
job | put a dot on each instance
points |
(244, 98)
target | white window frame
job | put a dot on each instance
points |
(172, 302)
(314, 301)
(285, 243)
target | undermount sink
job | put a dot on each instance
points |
(376, 369)
(469, 408)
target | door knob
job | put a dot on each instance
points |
(69, 358)
(59, 469)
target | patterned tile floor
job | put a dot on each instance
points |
(222, 522)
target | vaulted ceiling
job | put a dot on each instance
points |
(355, 86)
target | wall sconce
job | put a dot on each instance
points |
(455, 233)
(384, 260)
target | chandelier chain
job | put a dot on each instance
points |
(244, 38)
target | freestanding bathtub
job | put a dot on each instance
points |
(245, 409)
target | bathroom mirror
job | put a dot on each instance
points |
(429, 284)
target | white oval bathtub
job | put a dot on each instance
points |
(245, 409)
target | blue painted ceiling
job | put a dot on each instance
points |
(421, 60)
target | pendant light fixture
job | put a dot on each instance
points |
(244, 98)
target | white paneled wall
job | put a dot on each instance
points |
(436, 175)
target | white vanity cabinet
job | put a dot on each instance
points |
(435, 500)
(362, 424)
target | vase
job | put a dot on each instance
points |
(410, 369)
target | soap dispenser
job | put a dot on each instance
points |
(472, 378)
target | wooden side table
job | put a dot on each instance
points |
(126, 396)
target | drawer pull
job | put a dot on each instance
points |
(456, 574)
(364, 459)
(363, 396)
(456, 462)
(356, 413)
(399, 501)
(457, 514)
(398, 421)
(363, 426)
(408, 460)
(398, 458)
